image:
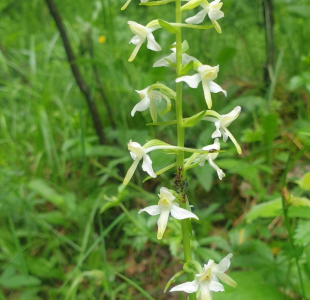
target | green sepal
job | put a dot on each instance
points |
(173, 279)
(155, 3)
(185, 46)
(187, 68)
(168, 26)
(154, 143)
(162, 123)
(166, 90)
(161, 171)
(193, 26)
(190, 5)
(192, 121)
(192, 266)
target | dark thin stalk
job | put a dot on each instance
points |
(287, 221)
(76, 71)
(99, 83)
(269, 24)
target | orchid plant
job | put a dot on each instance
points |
(201, 281)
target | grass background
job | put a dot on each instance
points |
(67, 229)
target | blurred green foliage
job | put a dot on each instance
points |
(68, 229)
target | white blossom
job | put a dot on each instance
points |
(222, 122)
(206, 74)
(165, 207)
(142, 33)
(213, 10)
(208, 281)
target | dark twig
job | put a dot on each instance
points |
(76, 71)
(98, 81)
(269, 24)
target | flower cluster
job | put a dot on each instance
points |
(191, 71)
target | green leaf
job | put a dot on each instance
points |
(187, 68)
(302, 233)
(190, 5)
(304, 182)
(18, 281)
(205, 177)
(45, 191)
(173, 279)
(251, 285)
(193, 120)
(299, 212)
(300, 10)
(268, 209)
(168, 26)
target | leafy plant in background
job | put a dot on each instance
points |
(202, 281)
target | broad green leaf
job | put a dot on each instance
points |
(300, 10)
(304, 182)
(251, 285)
(193, 120)
(168, 26)
(268, 209)
(302, 233)
(299, 212)
(187, 68)
(19, 281)
(205, 176)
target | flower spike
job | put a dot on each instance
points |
(165, 207)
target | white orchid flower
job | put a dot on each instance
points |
(142, 33)
(165, 207)
(163, 62)
(147, 101)
(137, 153)
(222, 122)
(207, 281)
(206, 74)
(210, 157)
(213, 10)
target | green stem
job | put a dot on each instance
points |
(186, 224)
(287, 222)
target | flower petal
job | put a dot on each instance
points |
(215, 88)
(192, 80)
(162, 222)
(216, 286)
(226, 279)
(181, 213)
(135, 40)
(187, 287)
(233, 140)
(166, 194)
(224, 264)
(215, 14)
(205, 293)
(198, 18)
(151, 43)
(141, 106)
(217, 133)
(147, 165)
(207, 93)
(131, 171)
(220, 173)
(152, 210)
